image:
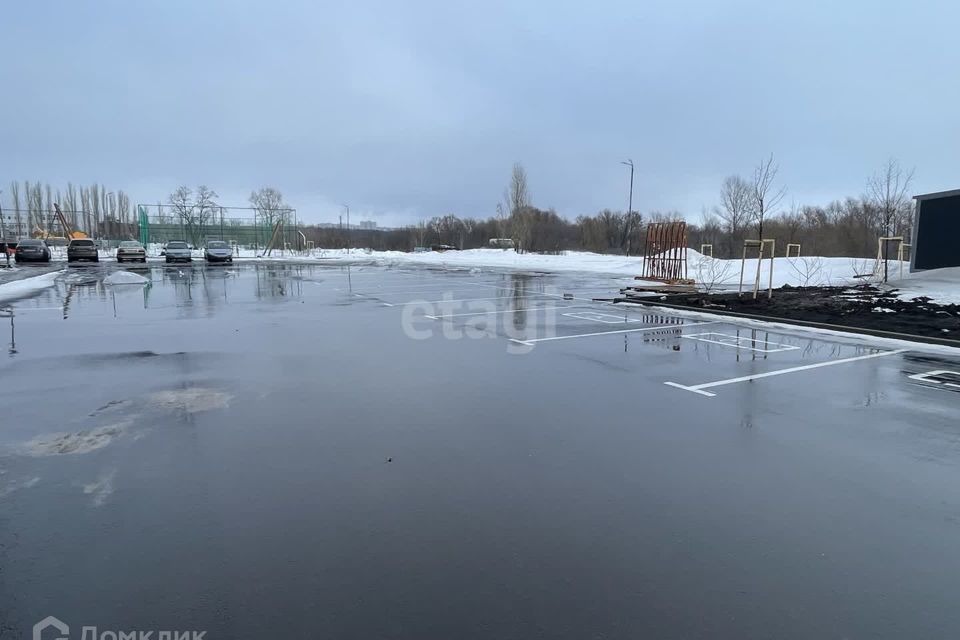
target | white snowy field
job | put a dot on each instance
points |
(711, 273)
(940, 285)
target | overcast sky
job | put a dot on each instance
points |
(409, 109)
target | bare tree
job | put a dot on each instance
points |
(735, 207)
(501, 221)
(205, 205)
(519, 189)
(448, 230)
(269, 204)
(85, 206)
(15, 198)
(70, 205)
(94, 201)
(630, 230)
(421, 233)
(181, 201)
(519, 201)
(887, 191)
(764, 198)
(35, 206)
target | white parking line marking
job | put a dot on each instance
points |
(596, 316)
(728, 340)
(561, 295)
(929, 375)
(435, 285)
(490, 313)
(699, 388)
(404, 304)
(658, 327)
(372, 294)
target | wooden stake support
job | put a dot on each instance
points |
(758, 244)
(900, 247)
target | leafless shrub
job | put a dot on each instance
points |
(809, 270)
(711, 272)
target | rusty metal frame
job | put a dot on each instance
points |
(665, 251)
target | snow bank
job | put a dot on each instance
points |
(941, 285)
(125, 277)
(712, 273)
(809, 271)
(27, 286)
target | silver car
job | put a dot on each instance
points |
(178, 251)
(132, 251)
(218, 251)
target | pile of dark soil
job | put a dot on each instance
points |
(861, 307)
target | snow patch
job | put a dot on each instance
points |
(940, 285)
(125, 277)
(79, 442)
(27, 286)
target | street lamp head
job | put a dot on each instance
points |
(627, 162)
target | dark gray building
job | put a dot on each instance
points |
(936, 231)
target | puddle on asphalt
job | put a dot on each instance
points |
(9, 487)
(101, 488)
(190, 400)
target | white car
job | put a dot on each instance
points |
(178, 251)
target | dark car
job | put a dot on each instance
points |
(177, 250)
(32, 250)
(82, 249)
(218, 251)
(132, 251)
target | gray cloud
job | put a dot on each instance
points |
(417, 109)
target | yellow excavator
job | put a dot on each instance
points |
(68, 231)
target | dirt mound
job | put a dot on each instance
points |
(864, 307)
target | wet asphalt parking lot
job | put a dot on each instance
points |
(279, 450)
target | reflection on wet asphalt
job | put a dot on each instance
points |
(279, 450)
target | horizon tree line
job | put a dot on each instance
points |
(748, 207)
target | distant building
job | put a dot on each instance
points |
(501, 243)
(936, 231)
(368, 225)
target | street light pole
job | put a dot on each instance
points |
(347, 207)
(629, 163)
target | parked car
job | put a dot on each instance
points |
(131, 250)
(177, 251)
(82, 249)
(218, 251)
(32, 250)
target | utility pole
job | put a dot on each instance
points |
(629, 163)
(347, 207)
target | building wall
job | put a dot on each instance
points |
(936, 241)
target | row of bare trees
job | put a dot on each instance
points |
(197, 209)
(752, 207)
(88, 208)
(749, 207)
